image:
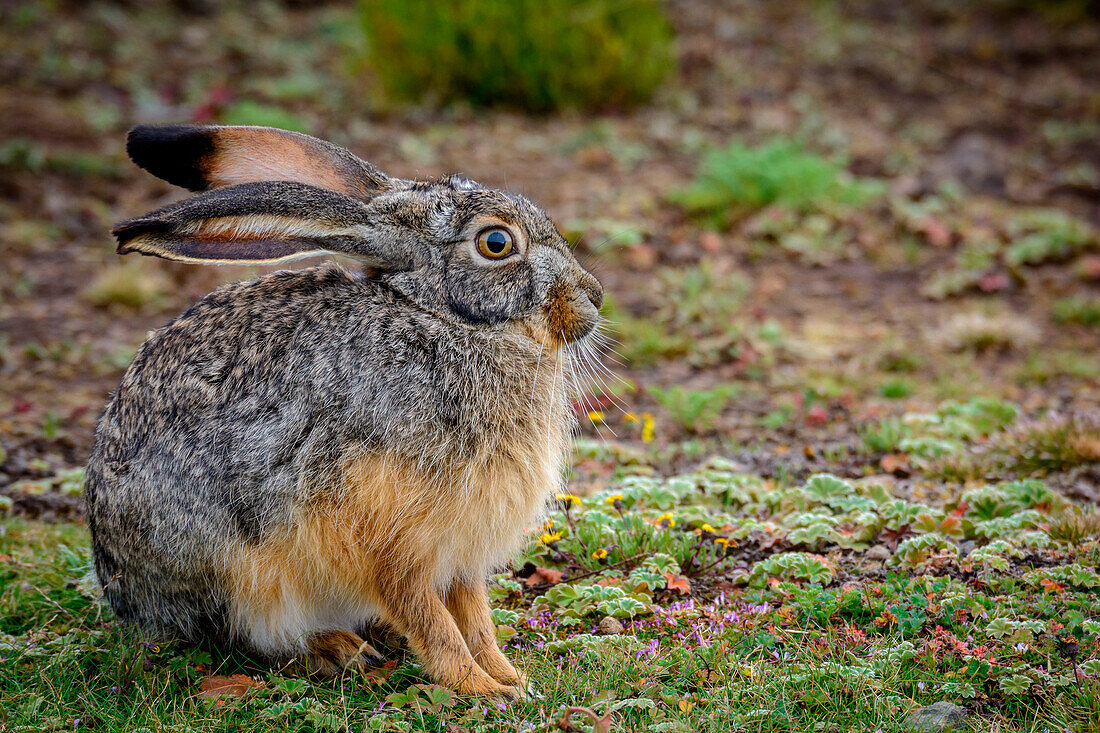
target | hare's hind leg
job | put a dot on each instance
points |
(331, 652)
(468, 602)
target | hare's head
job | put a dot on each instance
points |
(468, 253)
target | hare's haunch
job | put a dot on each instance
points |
(303, 456)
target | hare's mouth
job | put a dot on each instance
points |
(571, 314)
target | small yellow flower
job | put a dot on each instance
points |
(668, 518)
(722, 541)
(547, 537)
(705, 528)
(595, 416)
(600, 554)
(647, 427)
(548, 523)
(570, 499)
(610, 501)
(630, 417)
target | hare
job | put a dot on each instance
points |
(312, 453)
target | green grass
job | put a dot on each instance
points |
(791, 642)
(694, 410)
(1078, 309)
(538, 55)
(735, 181)
(896, 389)
(692, 312)
(131, 284)
(248, 112)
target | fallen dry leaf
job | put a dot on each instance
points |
(234, 686)
(895, 463)
(380, 675)
(993, 282)
(543, 575)
(816, 416)
(678, 583)
(937, 233)
(710, 241)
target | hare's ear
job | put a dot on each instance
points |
(199, 157)
(264, 222)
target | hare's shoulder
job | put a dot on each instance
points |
(287, 291)
(273, 306)
(257, 328)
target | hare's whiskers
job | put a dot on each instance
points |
(582, 389)
(599, 373)
(535, 381)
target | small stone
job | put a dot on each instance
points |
(609, 625)
(940, 716)
(879, 553)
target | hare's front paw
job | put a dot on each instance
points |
(493, 661)
(331, 652)
(480, 683)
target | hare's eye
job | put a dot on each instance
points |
(495, 243)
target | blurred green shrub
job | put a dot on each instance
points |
(695, 410)
(247, 112)
(735, 181)
(1077, 309)
(538, 55)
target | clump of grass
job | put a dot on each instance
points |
(1078, 309)
(1028, 448)
(737, 180)
(1053, 443)
(22, 154)
(539, 55)
(694, 410)
(249, 112)
(884, 436)
(979, 332)
(1044, 235)
(1043, 366)
(694, 314)
(645, 341)
(896, 389)
(1075, 525)
(131, 284)
(900, 362)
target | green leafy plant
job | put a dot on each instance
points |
(571, 603)
(539, 55)
(1041, 235)
(884, 436)
(1077, 309)
(794, 565)
(249, 112)
(695, 410)
(737, 180)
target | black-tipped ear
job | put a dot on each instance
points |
(264, 222)
(178, 154)
(200, 157)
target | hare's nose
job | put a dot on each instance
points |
(593, 289)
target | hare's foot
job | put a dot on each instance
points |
(331, 652)
(493, 661)
(479, 682)
(469, 605)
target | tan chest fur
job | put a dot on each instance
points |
(387, 520)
